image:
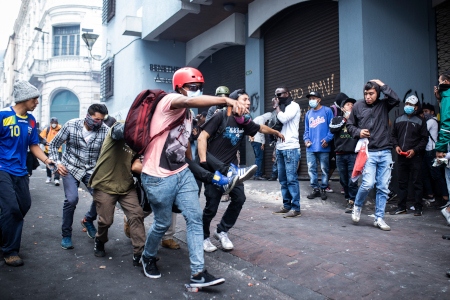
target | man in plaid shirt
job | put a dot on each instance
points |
(84, 139)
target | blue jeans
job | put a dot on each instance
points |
(259, 155)
(288, 161)
(71, 185)
(311, 159)
(162, 193)
(274, 170)
(345, 164)
(377, 170)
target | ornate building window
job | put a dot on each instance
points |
(66, 40)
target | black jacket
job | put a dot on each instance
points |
(410, 133)
(343, 141)
(375, 118)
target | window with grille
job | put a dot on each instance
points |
(109, 10)
(107, 79)
(66, 40)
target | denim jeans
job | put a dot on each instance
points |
(345, 164)
(182, 190)
(377, 170)
(70, 203)
(311, 159)
(274, 170)
(447, 177)
(288, 161)
(259, 155)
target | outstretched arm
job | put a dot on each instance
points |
(267, 130)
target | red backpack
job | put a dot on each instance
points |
(137, 123)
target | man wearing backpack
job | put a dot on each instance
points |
(49, 134)
(224, 147)
(165, 175)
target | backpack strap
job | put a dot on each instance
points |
(429, 134)
(222, 126)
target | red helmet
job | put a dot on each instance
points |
(186, 75)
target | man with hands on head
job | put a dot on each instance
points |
(370, 119)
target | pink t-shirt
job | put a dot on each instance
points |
(165, 154)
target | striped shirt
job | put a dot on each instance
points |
(80, 157)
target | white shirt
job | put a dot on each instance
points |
(291, 122)
(432, 127)
(261, 120)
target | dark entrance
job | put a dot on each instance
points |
(301, 51)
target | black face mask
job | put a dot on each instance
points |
(443, 87)
(283, 100)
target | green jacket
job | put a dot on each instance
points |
(444, 132)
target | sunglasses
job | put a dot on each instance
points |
(194, 87)
(279, 94)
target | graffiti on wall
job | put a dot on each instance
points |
(254, 102)
(324, 86)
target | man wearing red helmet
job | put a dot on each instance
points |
(166, 178)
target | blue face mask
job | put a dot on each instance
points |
(313, 103)
(408, 109)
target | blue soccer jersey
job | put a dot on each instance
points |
(16, 134)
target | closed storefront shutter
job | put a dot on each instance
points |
(443, 36)
(225, 67)
(301, 51)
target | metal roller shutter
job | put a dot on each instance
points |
(225, 67)
(443, 36)
(301, 51)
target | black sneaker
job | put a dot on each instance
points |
(137, 260)
(315, 193)
(99, 248)
(150, 268)
(399, 211)
(349, 207)
(391, 196)
(203, 279)
(418, 212)
(323, 194)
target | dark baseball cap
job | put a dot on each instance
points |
(315, 94)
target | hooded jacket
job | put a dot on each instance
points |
(444, 132)
(410, 133)
(375, 118)
(344, 143)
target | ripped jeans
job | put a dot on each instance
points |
(377, 170)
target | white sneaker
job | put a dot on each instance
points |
(446, 215)
(208, 246)
(56, 182)
(379, 222)
(356, 213)
(49, 179)
(224, 240)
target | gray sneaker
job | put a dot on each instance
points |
(379, 222)
(292, 214)
(281, 211)
(356, 213)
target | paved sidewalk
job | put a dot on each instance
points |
(320, 255)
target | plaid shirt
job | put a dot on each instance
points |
(80, 157)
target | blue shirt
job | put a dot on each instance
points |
(16, 134)
(317, 129)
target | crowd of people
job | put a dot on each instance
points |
(167, 177)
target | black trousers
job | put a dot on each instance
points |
(409, 172)
(205, 173)
(232, 212)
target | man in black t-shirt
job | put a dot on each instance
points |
(224, 147)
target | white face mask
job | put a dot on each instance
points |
(53, 125)
(346, 114)
(194, 94)
(313, 103)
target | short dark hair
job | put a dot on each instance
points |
(372, 85)
(445, 75)
(237, 93)
(97, 108)
(284, 87)
(428, 106)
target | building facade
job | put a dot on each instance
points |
(50, 54)
(319, 45)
